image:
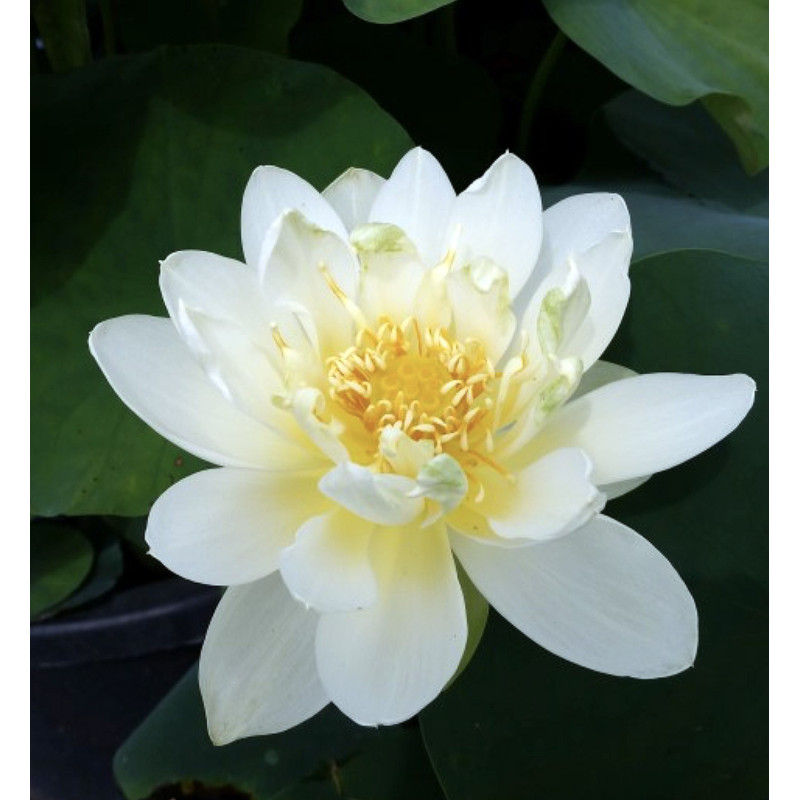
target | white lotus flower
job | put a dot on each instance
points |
(393, 377)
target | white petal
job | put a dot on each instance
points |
(151, 369)
(307, 406)
(295, 260)
(604, 270)
(417, 198)
(235, 364)
(602, 597)
(271, 191)
(382, 498)
(601, 373)
(481, 307)
(575, 225)
(614, 490)
(549, 498)
(328, 567)
(391, 271)
(217, 307)
(648, 423)
(218, 287)
(352, 194)
(383, 664)
(257, 671)
(499, 217)
(228, 526)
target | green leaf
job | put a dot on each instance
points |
(327, 756)
(64, 31)
(103, 576)
(685, 147)
(262, 24)
(385, 11)
(61, 557)
(684, 50)
(521, 722)
(132, 159)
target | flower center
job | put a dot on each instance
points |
(416, 379)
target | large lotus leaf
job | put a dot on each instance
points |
(684, 50)
(522, 723)
(326, 757)
(134, 158)
(688, 150)
(61, 558)
(393, 10)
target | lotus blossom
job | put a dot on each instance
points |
(397, 379)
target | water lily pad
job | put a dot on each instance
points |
(61, 558)
(689, 151)
(134, 158)
(681, 51)
(326, 757)
(393, 10)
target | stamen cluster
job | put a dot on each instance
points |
(419, 380)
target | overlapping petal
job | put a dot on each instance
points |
(548, 498)
(228, 526)
(303, 264)
(648, 423)
(499, 217)
(257, 672)
(151, 369)
(601, 597)
(328, 566)
(352, 194)
(271, 191)
(383, 664)
(417, 198)
(382, 498)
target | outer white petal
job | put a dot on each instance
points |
(151, 369)
(604, 270)
(381, 665)
(235, 364)
(499, 217)
(601, 373)
(218, 287)
(352, 194)
(228, 526)
(648, 423)
(328, 566)
(269, 192)
(257, 671)
(417, 198)
(382, 498)
(293, 264)
(614, 490)
(217, 306)
(602, 597)
(549, 498)
(575, 225)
